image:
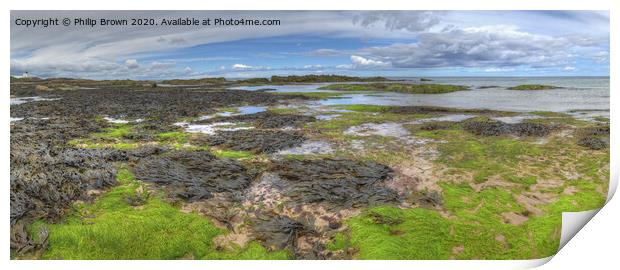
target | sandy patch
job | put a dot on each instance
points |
(514, 218)
(384, 129)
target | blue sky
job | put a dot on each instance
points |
(362, 43)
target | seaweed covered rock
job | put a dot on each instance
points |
(440, 125)
(266, 119)
(46, 175)
(598, 130)
(533, 87)
(595, 137)
(488, 127)
(46, 180)
(194, 175)
(165, 105)
(257, 141)
(433, 109)
(341, 183)
(593, 143)
(279, 232)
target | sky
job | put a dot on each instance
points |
(355, 43)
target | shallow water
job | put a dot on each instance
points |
(327, 116)
(446, 118)
(21, 100)
(579, 93)
(250, 110)
(302, 88)
(516, 119)
(212, 128)
(243, 110)
(121, 121)
(384, 129)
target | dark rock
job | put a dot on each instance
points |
(279, 232)
(593, 143)
(498, 128)
(340, 183)
(257, 141)
(430, 126)
(194, 175)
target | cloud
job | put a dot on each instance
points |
(325, 52)
(413, 21)
(240, 67)
(494, 69)
(399, 39)
(188, 69)
(76, 45)
(497, 46)
(601, 57)
(569, 68)
(131, 63)
(362, 62)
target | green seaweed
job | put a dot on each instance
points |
(398, 87)
(111, 228)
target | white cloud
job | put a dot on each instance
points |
(413, 21)
(131, 63)
(312, 66)
(345, 66)
(187, 69)
(569, 68)
(601, 57)
(494, 69)
(240, 67)
(362, 62)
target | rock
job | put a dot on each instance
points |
(488, 127)
(339, 183)
(257, 141)
(593, 143)
(194, 175)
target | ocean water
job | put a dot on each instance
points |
(584, 97)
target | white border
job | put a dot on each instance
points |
(594, 241)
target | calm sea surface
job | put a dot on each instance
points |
(581, 96)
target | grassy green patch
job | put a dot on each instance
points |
(233, 154)
(525, 180)
(116, 132)
(398, 87)
(365, 108)
(111, 228)
(174, 136)
(549, 114)
(484, 156)
(340, 242)
(476, 231)
(284, 110)
(533, 87)
(601, 119)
